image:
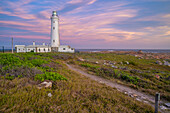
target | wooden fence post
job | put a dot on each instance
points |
(157, 98)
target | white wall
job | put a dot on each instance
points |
(23, 49)
(30, 49)
(66, 49)
(41, 50)
(20, 49)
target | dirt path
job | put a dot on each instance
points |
(140, 96)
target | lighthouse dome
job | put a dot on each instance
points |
(54, 13)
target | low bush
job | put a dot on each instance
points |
(38, 62)
(49, 76)
(104, 71)
(89, 66)
(133, 63)
(14, 72)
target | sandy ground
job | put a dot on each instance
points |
(140, 96)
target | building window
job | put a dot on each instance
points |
(64, 48)
(53, 21)
(19, 49)
(72, 49)
(53, 27)
(28, 49)
(53, 40)
(39, 50)
(44, 49)
(48, 49)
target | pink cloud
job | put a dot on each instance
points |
(27, 36)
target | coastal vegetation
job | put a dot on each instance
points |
(21, 73)
(139, 73)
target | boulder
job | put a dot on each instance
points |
(80, 59)
(96, 62)
(45, 85)
(127, 62)
(114, 66)
(163, 107)
(159, 62)
(166, 63)
(49, 95)
(167, 105)
(135, 95)
(157, 76)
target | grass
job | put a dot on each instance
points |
(76, 94)
(139, 73)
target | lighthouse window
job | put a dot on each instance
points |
(53, 40)
(53, 21)
(53, 27)
(39, 50)
(64, 48)
(44, 49)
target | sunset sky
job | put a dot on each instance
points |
(88, 24)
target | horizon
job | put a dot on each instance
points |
(87, 24)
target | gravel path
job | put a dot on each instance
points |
(140, 96)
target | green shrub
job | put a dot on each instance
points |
(9, 77)
(133, 63)
(89, 66)
(49, 76)
(9, 60)
(38, 62)
(128, 78)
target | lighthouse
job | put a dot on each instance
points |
(55, 39)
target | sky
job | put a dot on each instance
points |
(88, 24)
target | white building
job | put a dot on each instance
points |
(55, 41)
(33, 48)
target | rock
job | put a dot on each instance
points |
(138, 99)
(135, 95)
(127, 62)
(163, 107)
(143, 98)
(80, 59)
(126, 92)
(166, 63)
(159, 62)
(49, 94)
(96, 62)
(167, 104)
(114, 66)
(157, 76)
(145, 101)
(45, 84)
(131, 95)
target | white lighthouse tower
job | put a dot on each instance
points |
(55, 39)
